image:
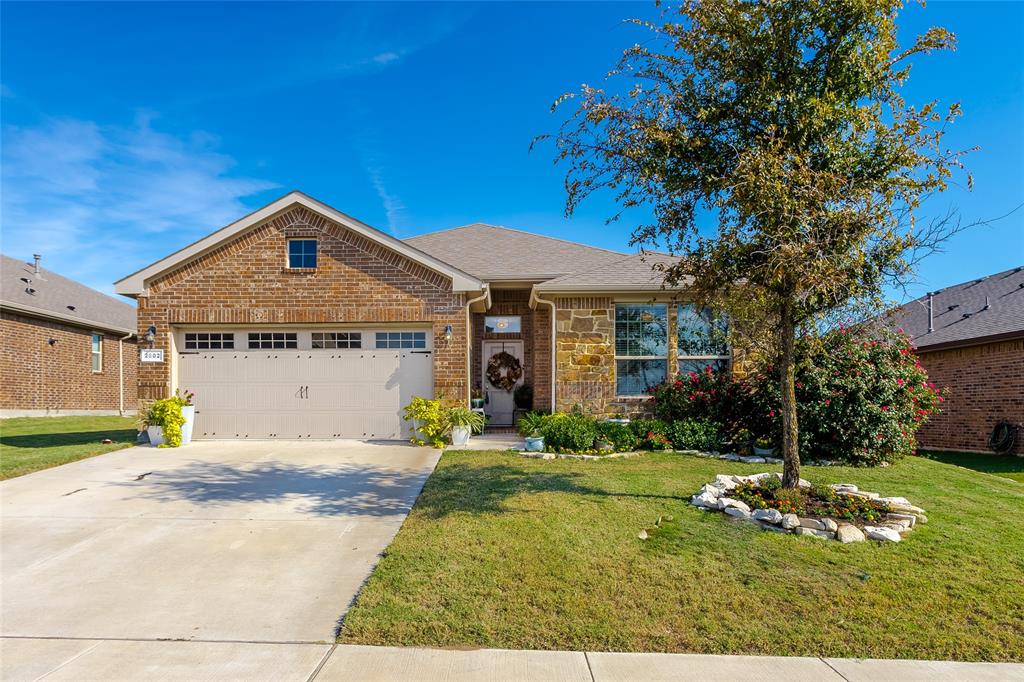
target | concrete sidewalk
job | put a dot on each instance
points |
(70, 659)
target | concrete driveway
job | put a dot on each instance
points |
(218, 541)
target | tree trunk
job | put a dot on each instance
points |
(787, 373)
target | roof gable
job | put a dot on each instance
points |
(494, 253)
(136, 283)
(959, 312)
(56, 297)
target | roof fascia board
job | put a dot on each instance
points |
(60, 317)
(135, 283)
(966, 343)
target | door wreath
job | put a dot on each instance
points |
(504, 370)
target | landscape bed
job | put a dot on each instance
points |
(508, 552)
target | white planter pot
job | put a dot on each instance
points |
(156, 435)
(189, 413)
(460, 435)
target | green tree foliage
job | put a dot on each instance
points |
(780, 127)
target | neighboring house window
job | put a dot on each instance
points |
(641, 348)
(209, 340)
(301, 253)
(273, 340)
(337, 340)
(509, 324)
(401, 339)
(702, 339)
(97, 352)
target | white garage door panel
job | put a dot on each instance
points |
(304, 394)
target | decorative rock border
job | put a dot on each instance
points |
(588, 458)
(899, 520)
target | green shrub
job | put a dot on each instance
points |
(652, 434)
(430, 418)
(568, 432)
(619, 435)
(693, 434)
(708, 396)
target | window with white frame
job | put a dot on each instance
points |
(702, 339)
(401, 339)
(273, 340)
(641, 347)
(209, 340)
(97, 352)
(337, 340)
(301, 253)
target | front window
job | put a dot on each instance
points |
(510, 324)
(401, 339)
(97, 352)
(273, 340)
(641, 348)
(702, 339)
(301, 253)
(337, 340)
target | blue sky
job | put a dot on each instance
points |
(132, 129)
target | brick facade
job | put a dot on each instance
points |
(986, 385)
(40, 378)
(535, 334)
(246, 281)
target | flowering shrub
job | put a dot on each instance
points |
(860, 397)
(708, 396)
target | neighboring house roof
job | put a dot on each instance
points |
(632, 273)
(135, 283)
(982, 309)
(496, 253)
(52, 296)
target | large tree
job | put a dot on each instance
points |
(771, 144)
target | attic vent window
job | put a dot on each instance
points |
(301, 253)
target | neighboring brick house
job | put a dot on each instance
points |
(299, 321)
(67, 349)
(970, 339)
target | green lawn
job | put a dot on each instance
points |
(34, 443)
(1007, 466)
(503, 551)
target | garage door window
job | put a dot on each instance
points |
(209, 341)
(273, 340)
(401, 339)
(337, 340)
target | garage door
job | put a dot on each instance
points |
(303, 384)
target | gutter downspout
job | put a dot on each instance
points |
(120, 372)
(484, 295)
(534, 298)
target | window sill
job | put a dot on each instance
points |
(632, 398)
(299, 271)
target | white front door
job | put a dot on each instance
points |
(500, 404)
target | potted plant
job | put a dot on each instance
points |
(523, 396)
(476, 398)
(188, 411)
(149, 421)
(164, 420)
(462, 421)
(618, 418)
(763, 447)
(530, 425)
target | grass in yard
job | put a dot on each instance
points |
(1007, 466)
(503, 551)
(33, 443)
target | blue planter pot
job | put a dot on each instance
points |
(535, 444)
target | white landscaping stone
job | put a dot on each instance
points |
(849, 533)
(737, 512)
(849, 487)
(894, 500)
(824, 535)
(909, 519)
(725, 482)
(753, 460)
(790, 521)
(727, 503)
(879, 533)
(731, 457)
(769, 515)
(773, 460)
(712, 489)
(830, 525)
(813, 524)
(706, 500)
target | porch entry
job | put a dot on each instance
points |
(500, 405)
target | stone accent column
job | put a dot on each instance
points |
(585, 354)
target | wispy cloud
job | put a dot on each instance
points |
(99, 201)
(394, 209)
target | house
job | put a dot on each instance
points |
(298, 321)
(970, 338)
(68, 349)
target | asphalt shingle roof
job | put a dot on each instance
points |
(960, 314)
(51, 293)
(494, 253)
(634, 273)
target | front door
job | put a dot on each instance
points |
(500, 404)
